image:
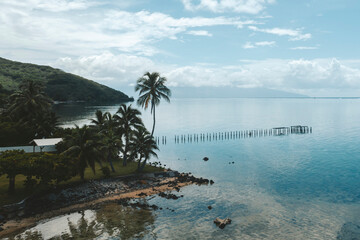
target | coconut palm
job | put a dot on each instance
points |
(111, 146)
(128, 120)
(151, 89)
(29, 101)
(143, 145)
(83, 145)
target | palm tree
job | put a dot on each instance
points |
(128, 120)
(111, 146)
(143, 145)
(30, 100)
(83, 144)
(151, 89)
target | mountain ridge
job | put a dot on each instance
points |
(59, 85)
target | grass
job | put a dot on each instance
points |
(21, 192)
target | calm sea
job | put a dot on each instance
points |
(296, 186)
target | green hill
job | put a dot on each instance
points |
(59, 85)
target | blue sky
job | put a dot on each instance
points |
(309, 47)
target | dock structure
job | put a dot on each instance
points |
(228, 135)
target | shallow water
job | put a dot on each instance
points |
(297, 186)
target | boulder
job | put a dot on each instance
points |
(206, 159)
(221, 223)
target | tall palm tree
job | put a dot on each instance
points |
(128, 120)
(83, 144)
(151, 89)
(143, 145)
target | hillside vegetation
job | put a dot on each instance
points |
(60, 86)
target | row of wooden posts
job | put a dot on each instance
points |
(215, 136)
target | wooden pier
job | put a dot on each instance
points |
(218, 136)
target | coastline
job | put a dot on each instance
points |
(130, 187)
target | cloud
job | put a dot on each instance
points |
(250, 45)
(303, 48)
(33, 26)
(295, 35)
(51, 5)
(200, 33)
(299, 75)
(239, 6)
(107, 68)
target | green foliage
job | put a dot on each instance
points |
(106, 171)
(12, 164)
(60, 86)
(48, 168)
(83, 145)
(28, 116)
(45, 167)
(151, 89)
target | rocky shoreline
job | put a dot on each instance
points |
(92, 194)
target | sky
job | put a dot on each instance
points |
(309, 47)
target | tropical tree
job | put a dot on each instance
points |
(143, 145)
(29, 101)
(111, 136)
(12, 164)
(83, 144)
(151, 89)
(111, 146)
(128, 120)
(100, 118)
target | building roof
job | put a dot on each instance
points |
(46, 141)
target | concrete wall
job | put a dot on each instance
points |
(29, 149)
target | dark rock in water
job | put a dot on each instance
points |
(206, 159)
(233, 162)
(221, 223)
(209, 207)
(212, 182)
(1, 229)
(168, 196)
(2, 218)
(349, 231)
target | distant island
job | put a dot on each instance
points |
(59, 85)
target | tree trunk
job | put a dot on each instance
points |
(138, 168)
(111, 164)
(143, 165)
(11, 184)
(153, 128)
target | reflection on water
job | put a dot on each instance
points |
(110, 221)
(279, 187)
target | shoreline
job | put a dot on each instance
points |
(132, 187)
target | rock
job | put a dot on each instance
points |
(212, 182)
(221, 223)
(1, 229)
(349, 231)
(206, 159)
(209, 207)
(2, 218)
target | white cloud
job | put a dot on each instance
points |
(240, 6)
(107, 68)
(51, 5)
(303, 48)
(23, 26)
(250, 45)
(301, 76)
(295, 35)
(200, 33)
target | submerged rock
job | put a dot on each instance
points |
(206, 159)
(221, 223)
(349, 231)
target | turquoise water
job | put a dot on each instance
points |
(297, 186)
